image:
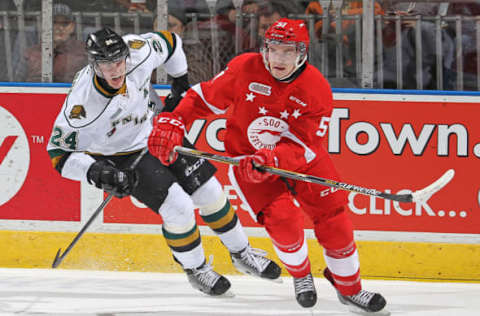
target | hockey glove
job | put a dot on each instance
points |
(179, 86)
(249, 169)
(168, 131)
(171, 101)
(104, 175)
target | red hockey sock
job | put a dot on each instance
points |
(298, 271)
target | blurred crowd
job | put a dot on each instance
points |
(418, 44)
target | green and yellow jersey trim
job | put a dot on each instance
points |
(170, 40)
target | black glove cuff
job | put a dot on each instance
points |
(180, 85)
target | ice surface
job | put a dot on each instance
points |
(73, 292)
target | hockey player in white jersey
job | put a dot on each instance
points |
(104, 125)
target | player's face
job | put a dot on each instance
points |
(282, 59)
(113, 73)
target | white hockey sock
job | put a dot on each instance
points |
(192, 258)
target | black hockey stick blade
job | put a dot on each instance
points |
(58, 259)
(417, 196)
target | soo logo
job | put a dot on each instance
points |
(14, 156)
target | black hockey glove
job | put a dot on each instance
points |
(171, 102)
(105, 176)
(179, 86)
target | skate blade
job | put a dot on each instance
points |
(227, 294)
(278, 280)
(358, 311)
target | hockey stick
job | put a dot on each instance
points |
(417, 196)
(59, 258)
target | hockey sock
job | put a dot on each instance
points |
(294, 257)
(223, 220)
(186, 246)
(345, 268)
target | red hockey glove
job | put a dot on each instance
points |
(250, 173)
(168, 130)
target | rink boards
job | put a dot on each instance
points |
(387, 141)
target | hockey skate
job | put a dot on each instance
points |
(363, 303)
(253, 262)
(208, 281)
(305, 292)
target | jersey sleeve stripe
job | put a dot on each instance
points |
(170, 40)
(198, 89)
(58, 158)
(309, 154)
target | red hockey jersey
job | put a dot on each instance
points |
(290, 118)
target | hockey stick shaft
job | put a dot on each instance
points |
(59, 257)
(417, 196)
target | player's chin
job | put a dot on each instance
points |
(278, 75)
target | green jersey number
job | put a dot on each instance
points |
(59, 139)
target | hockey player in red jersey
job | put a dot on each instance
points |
(279, 108)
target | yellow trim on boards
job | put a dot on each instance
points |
(150, 253)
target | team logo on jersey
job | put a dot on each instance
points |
(260, 88)
(265, 131)
(136, 44)
(78, 111)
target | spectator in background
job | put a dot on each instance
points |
(268, 15)
(68, 53)
(126, 23)
(408, 59)
(349, 9)
(177, 21)
(198, 48)
(226, 19)
(26, 38)
(113, 5)
(470, 55)
(138, 5)
(198, 7)
(272, 10)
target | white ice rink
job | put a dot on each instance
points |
(69, 292)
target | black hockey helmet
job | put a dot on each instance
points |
(105, 46)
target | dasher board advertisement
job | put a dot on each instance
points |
(389, 142)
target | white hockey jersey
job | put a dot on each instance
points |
(93, 121)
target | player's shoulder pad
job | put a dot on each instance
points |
(311, 73)
(83, 103)
(313, 87)
(138, 46)
(245, 61)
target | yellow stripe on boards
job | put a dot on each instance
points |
(150, 253)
